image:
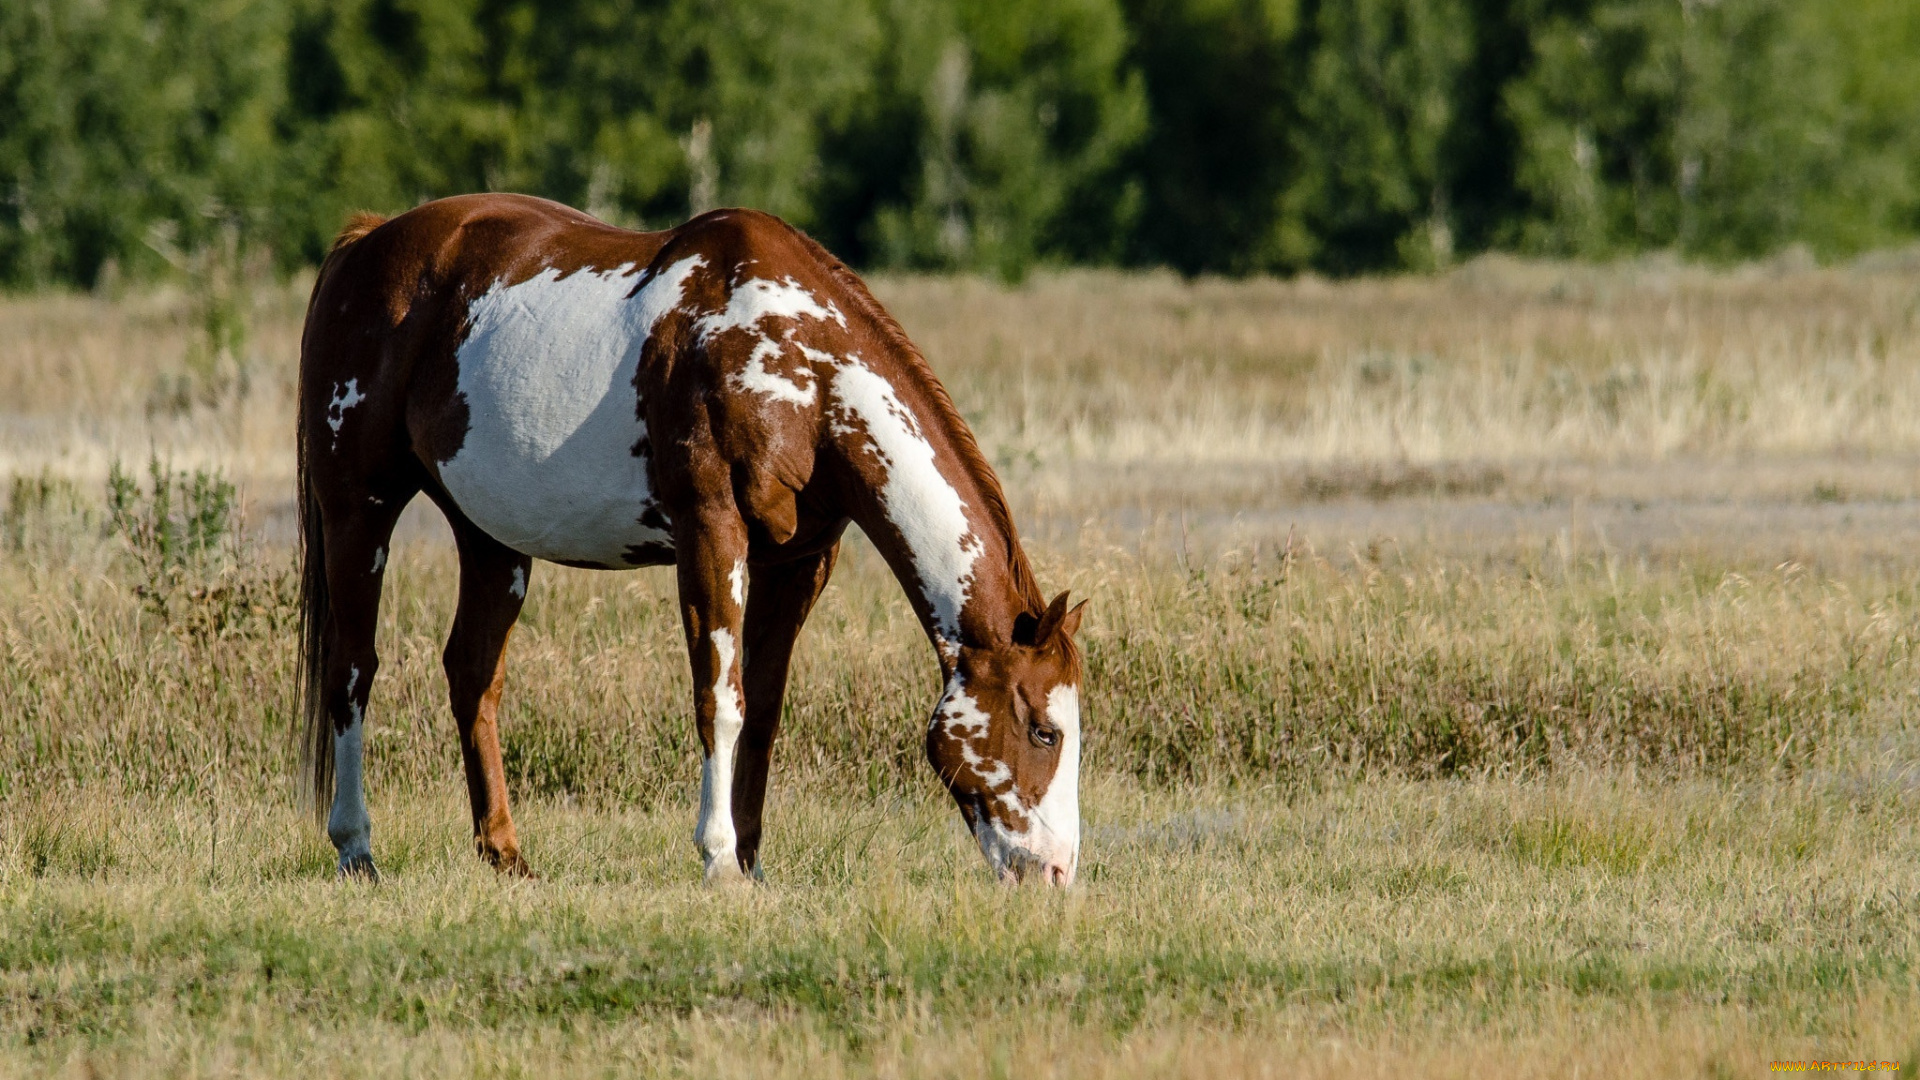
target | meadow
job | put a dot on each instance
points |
(1510, 671)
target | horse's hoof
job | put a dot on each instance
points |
(358, 868)
(727, 875)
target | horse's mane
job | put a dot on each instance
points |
(360, 224)
(964, 444)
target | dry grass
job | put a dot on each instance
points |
(1253, 669)
(1498, 362)
(1510, 672)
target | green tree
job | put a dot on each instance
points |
(1217, 156)
(1724, 129)
(595, 104)
(1379, 118)
(130, 125)
(1019, 116)
(1235, 136)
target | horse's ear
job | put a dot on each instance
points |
(1070, 623)
(1059, 620)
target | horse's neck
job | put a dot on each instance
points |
(930, 514)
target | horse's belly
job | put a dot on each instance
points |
(556, 511)
(553, 461)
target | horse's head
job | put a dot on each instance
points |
(1005, 739)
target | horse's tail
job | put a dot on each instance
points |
(315, 610)
(316, 739)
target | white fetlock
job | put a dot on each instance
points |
(348, 824)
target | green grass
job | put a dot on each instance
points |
(133, 936)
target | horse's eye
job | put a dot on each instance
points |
(1045, 736)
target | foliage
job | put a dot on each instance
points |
(120, 115)
(158, 534)
(1377, 113)
(193, 572)
(1209, 135)
(1716, 128)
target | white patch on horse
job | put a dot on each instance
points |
(737, 581)
(714, 833)
(1004, 849)
(918, 500)
(379, 558)
(762, 298)
(994, 778)
(755, 377)
(547, 371)
(518, 586)
(748, 304)
(963, 721)
(958, 712)
(348, 824)
(345, 396)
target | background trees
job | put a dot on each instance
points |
(1230, 136)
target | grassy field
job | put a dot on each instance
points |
(1505, 673)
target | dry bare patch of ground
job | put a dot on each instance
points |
(1509, 672)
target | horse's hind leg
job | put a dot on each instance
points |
(493, 585)
(357, 531)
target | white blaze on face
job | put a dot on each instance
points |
(1056, 832)
(919, 501)
(750, 303)
(547, 371)
(714, 834)
(348, 824)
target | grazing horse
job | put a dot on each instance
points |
(723, 397)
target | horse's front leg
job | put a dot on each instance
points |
(779, 597)
(711, 552)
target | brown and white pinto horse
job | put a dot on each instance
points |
(723, 397)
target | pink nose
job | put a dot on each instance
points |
(1047, 873)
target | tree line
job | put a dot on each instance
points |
(1212, 136)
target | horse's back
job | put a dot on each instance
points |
(503, 339)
